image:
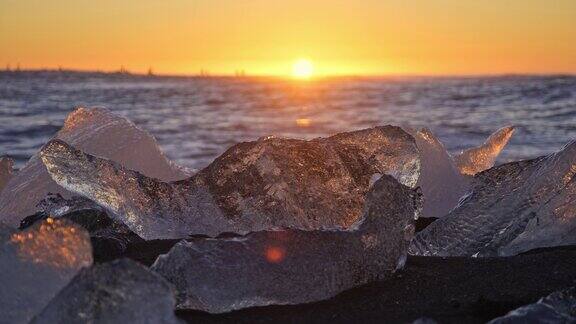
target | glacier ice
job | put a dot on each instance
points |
(294, 266)
(271, 183)
(121, 291)
(6, 171)
(558, 307)
(36, 263)
(477, 159)
(444, 179)
(441, 182)
(92, 130)
(511, 208)
(96, 131)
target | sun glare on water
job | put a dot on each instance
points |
(302, 69)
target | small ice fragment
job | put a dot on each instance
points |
(6, 171)
(477, 159)
(110, 238)
(294, 266)
(511, 209)
(96, 131)
(558, 307)
(276, 183)
(36, 263)
(118, 292)
(56, 205)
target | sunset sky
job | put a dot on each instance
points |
(370, 37)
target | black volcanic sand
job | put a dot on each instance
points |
(448, 290)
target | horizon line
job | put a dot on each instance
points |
(206, 74)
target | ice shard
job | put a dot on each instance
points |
(511, 208)
(96, 131)
(294, 266)
(558, 307)
(121, 291)
(36, 263)
(271, 183)
(6, 171)
(477, 159)
(444, 179)
(441, 182)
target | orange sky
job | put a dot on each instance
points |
(372, 37)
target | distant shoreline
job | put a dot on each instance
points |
(320, 77)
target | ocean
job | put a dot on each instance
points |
(195, 119)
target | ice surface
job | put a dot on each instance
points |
(558, 307)
(96, 131)
(511, 209)
(266, 184)
(6, 171)
(477, 159)
(36, 263)
(294, 266)
(441, 182)
(121, 291)
(444, 179)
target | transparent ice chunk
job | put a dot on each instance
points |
(558, 307)
(265, 184)
(294, 266)
(444, 179)
(36, 263)
(96, 131)
(477, 159)
(441, 182)
(511, 208)
(121, 291)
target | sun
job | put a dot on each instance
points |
(302, 69)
